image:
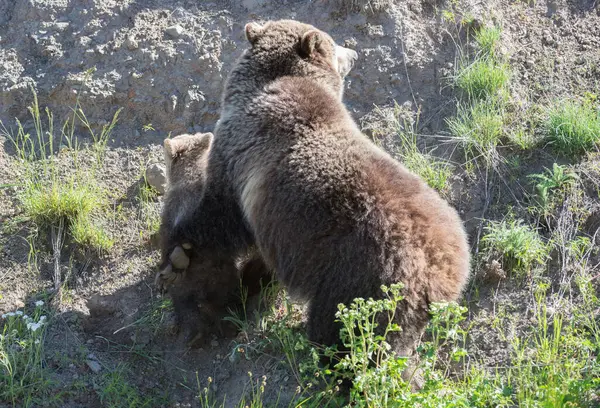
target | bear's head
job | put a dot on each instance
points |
(288, 47)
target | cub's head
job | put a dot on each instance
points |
(186, 158)
(288, 47)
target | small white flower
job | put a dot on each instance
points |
(9, 314)
(39, 303)
(37, 341)
(33, 326)
(19, 313)
(42, 318)
(4, 316)
(25, 317)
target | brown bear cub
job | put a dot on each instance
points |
(206, 285)
(332, 214)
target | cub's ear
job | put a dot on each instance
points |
(311, 43)
(253, 32)
(182, 143)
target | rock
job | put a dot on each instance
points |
(101, 306)
(214, 343)
(94, 365)
(174, 31)
(156, 177)
(131, 43)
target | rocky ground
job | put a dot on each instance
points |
(164, 63)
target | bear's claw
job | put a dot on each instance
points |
(165, 278)
(178, 263)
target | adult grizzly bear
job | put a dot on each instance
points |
(334, 215)
(207, 284)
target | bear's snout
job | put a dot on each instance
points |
(346, 59)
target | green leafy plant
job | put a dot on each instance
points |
(550, 182)
(519, 245)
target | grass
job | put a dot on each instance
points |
(573, 128)
(482, 78)
(149, 213)
(482, 82)
(548, 185)
(478, 128)
(520, 246)
(115, 391)
(59, 190)
(434, 171)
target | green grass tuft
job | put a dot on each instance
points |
(573, 128)
(482, 78)
(47, 204)
(487, 40)
(479, 129)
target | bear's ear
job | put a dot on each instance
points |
(311, 42)
(253, 32)
(180, 144)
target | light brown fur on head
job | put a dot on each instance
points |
(288, 47)
(187, 156)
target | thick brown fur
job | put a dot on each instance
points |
(209, 283)
(334, 215)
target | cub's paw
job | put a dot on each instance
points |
(165, 278)
(178, 263)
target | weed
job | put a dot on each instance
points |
(435, 172)
(482, 78)
(487, 40)
(64, 200)
(23, 379)
(572, 127)
(520, 246)
(551, 361)
(548, 184)
(115, 392)
(479, 129)
(88, 234)
(149, 212)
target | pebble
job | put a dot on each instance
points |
(94, 365)
(131, 43)
(156, 177)
(174, 31)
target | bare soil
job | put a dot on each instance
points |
(173, 82)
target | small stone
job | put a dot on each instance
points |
(92, 356)
(131, 43)
(174, 31)
(94, 365)
(156, 177)
(214, 343)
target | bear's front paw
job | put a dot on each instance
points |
(178, 263)
(165, 278)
